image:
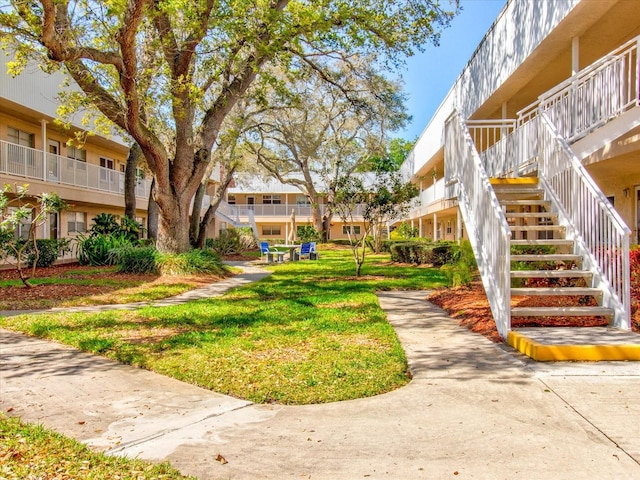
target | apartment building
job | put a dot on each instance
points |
(550, 93)
(267, 205)
(34, 150)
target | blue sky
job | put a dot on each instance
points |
(428, 76)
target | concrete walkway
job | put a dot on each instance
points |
(473, 410)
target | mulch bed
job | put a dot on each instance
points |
(469, 305)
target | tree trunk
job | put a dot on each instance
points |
(130, 180)
(194, 221)
(173, 224)
(152, 214)
(211, 211)
(326, 226)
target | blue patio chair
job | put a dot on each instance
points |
(313, 255)
(305, 251)
(269, 252)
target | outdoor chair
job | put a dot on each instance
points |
(268, 252)
(313, 255)
(304, 252)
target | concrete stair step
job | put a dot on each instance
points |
(548, 241)
(509, 202)
(537, 228)
(531, 215)
(511, 190)
(561, 312)
(555, 291)
(551, 274)
(547, 257)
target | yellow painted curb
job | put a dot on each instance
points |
(513, 181)
(578, 353)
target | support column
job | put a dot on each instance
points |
(575, 55)
(459, 225)
(435, 227)
(420, 232)
(43, 127)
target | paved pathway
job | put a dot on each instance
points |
(473, 410)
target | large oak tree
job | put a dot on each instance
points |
(157, 66)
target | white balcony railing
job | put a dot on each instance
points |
(30, 163)
(486, 224)
(432, 194)
(598, 93)
(303, 212)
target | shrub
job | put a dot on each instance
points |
(420, 253)
(192, 262)
(48, 251)
(135, 259)
(248, 240)
(634, 266)
(405, 232)
(95, 249)
(307, 233)
(227, 243)
(460, 271)
(104, 224)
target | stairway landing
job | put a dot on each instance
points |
(561, 344)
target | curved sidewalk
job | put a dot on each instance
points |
(249, 274)
(473, 410)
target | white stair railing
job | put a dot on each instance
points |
(483, 217)
(231, 214)
(600, 235)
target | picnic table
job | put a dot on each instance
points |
(292, 248)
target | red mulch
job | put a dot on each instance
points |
(469, 305)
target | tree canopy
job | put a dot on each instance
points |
(168, 72)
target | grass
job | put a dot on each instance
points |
(30, 451)
(120, 288)
(309, 333)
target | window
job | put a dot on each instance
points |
(77, 154)
(448, 227)
(21, 156)
(353, 229)
(231, 199)
(20, 138)
(271, 230)
(302, 200)
(106, 164)
(76, 222)
(22, 228)
(80, 157)
(271, 200)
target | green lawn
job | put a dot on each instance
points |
(309, 333)
(30, 451)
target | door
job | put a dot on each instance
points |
(53, 225)
(53, 159)
(251, 202)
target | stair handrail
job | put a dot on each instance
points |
(599, 233)
(483, 217)
(229, 211)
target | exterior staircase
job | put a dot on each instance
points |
(539, 226)
(547, 264)
(231, 214)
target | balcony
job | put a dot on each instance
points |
(303, 212)
(30, 163)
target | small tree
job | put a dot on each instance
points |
(20, 210)
(384, 199)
